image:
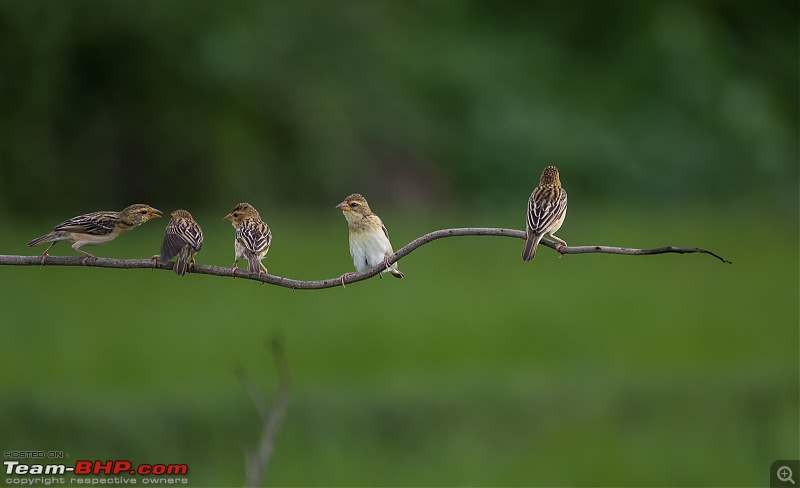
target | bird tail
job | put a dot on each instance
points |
(252, 263)
(53, 236)
(531, 241)
(181, 262)
(396, 273)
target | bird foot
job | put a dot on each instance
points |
(154, 258)
(233, 271)
(346, 275)
(44, 256)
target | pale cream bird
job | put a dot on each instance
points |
(369, 239)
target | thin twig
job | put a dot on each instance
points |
(350, 278)
(259, 403)
(272, 421)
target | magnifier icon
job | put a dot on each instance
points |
(785, 474)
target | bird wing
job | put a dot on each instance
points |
(545, 207)
(195, 234)
(95, 223)
(172, 245)
(179, 234)
(255, 235)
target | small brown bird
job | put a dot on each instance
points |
(183, 238)
(96, 228)
(369, 239)
(547, 209)
(253, 237)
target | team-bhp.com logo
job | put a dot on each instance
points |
(96, 468)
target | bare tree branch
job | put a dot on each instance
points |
(352, 277)
(272, 419)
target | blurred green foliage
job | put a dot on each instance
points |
(673, 122)
(194, 103)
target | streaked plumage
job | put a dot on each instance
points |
(253, 237)
(96, 228)
(369, 239)
(547, 208)
(182, 239)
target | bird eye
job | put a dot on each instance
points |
(143, 212)
(235, 214)
(353, 204)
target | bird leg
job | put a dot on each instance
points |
(346, 275)
(262, 270)
(561, 242)
(44, 254)
(86, 257)
(386, 265)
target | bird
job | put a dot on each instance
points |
(547, 208)
(369, 239)
(253, 237)
(96, 228)
(183, 238)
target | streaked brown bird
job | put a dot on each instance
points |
(96, 228)
(182, 240)
(547, 209)
(253, 237)
(369, 239)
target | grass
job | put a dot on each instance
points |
(589, 370)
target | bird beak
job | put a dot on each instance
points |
(228, 217)
(154, 213)
(343, 206)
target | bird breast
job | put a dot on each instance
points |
(369, 248)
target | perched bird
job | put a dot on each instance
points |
(547, 208)
(183, 238)
(96, 228)
(253, 237)
(369, 239)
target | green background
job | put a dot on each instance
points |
(673, 123)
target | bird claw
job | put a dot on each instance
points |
(386, 267)
(342, 278)
(44, 256)
(154, 258)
